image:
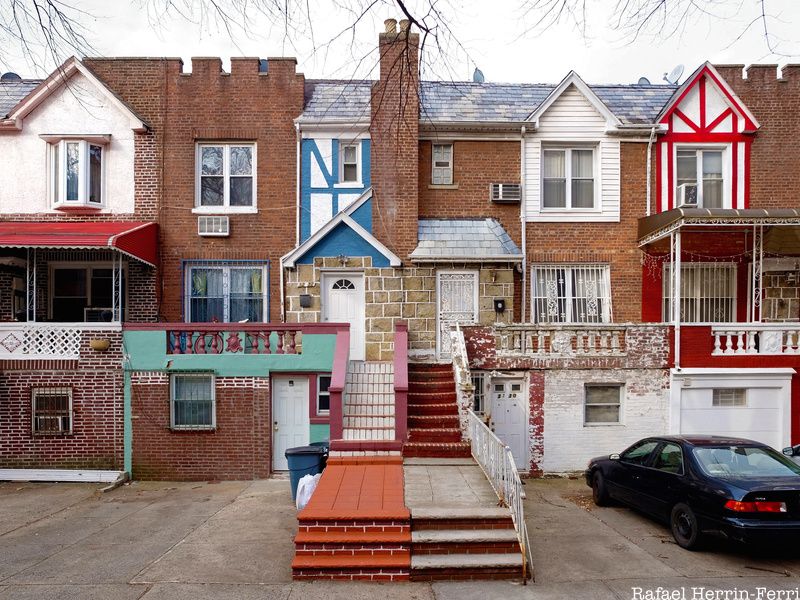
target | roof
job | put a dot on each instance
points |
(444, 101)
(136, 239)
(464, 239)
(12, 93)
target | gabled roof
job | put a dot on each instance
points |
(336, 101)
(12, 92)
(464, 239)
(573, 79)
(56, 80)
(342, 217)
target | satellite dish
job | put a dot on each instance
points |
(643, 81)
(674, 75)
(477, 76)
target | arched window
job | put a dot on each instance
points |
(343, 284)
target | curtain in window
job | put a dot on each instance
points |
(207, 297)
(589, 293)
(554, 173)
(549, 295)
(712, 179)
(582, 179)
(246, 296)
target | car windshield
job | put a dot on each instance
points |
(744, 461)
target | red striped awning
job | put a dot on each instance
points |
(136, 239)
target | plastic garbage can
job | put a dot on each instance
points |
(304, 460)
(326, 445)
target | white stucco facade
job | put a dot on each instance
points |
(77, 109)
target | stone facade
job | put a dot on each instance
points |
(781, 301)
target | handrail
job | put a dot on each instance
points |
(497, 462)
(400, 381)
(465, 391)
(341, 359)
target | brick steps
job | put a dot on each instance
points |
(449, 518)
(437, 449)
(432, 397)
(433, 421)
(446, 410)
(439, 435)
(432, 385)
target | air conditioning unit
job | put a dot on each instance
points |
(506, 193)
(687, 195)
(213, 226)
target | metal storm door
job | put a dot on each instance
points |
(508, 417)
(457, 300)
(290, 422)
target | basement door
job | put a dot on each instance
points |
(508, 418)
(457, 302)
(343, 302)
(290, 421)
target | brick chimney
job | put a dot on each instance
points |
(394, 130)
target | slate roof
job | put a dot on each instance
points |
(444, 102)
(464, 238)
(11, 92)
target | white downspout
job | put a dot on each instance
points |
(649, 168)
(523, 224)
(297, 191)
(283, 304)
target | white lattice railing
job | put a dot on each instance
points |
(37, 341)
(497, 463)
(560, 340)
(465, 391)
(756, 338)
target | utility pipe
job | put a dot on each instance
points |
(523, 224)
(649, 168)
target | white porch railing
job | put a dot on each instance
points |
(560, 340)
(756, 338)
(497, 463)
(465, 390)
(42, 341)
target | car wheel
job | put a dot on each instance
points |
(685, 528)
(599, 490)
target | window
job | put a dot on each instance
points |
(323, 394)
(479, 393)
(602, 405)
(192, 402)
(225, 177)
(568, 178)
(708, 292)
(84, 293)
(670, 459)
(729, 397)
(639, 453)
(52, 411)
(571, 294)
(226, 294)
(77, 173)
(349, 163)
(442, 171)
(702, 169)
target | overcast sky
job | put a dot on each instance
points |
(496, 35)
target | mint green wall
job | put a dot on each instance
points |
(320, 433)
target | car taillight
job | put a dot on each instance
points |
(760, 506)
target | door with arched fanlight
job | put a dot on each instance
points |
(343, 302)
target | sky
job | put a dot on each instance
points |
(498, 36)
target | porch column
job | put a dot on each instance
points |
(757, 269)
(30, 285)
(116, 286)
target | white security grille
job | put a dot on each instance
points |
(570, 294)
(457, 303)
(708, 292)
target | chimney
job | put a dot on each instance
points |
(394, 132)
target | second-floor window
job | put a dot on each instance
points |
(225, 177)
(348, 156)
(700, 178)
(708, 293)
(570, 294)
(568, 178)
(442, 167)
(226, 293)
(77, 173)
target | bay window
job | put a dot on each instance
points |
(226, 293)
(76, 168)
(699, 177)
(225, 177)
(570, 294)
(568, 178)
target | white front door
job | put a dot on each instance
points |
(343, 302)
(290, 422)
(457, 302)
(509, 417)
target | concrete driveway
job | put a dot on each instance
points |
(234, 540)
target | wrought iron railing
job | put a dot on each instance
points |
(497, 463)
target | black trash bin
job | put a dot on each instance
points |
(305, 460)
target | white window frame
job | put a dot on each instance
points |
(569, 296)
(57, 169)
(666, 291)
(327, 393)
(172, 399)
(568, 150)
(446, 170)
(621, 404)
(225, 207)
(727, 201)
(341, 180)
(87, 266)
(733, 401)
(226, 288)
(52, 391)
(480, 384)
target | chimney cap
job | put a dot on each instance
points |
(405, 24)
(390, 25)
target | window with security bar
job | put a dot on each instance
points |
(570, 294)
(707, 295)
(226, 293)
(52, 411)
(192, 401)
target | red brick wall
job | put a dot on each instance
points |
(476, 165)
(97, 400)
(239, 448)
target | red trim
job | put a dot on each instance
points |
(687, 120)
(670, 176)
(401, 381)
(720, 119)
(659, 192)
(735, 175)
(748, 123)
(341, 356)
(747, 144)
(700, 138)
(701, 86)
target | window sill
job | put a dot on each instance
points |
(78, 206)
(193, 429)
(54, 434)
(604, 424)
(442, 186)
(348, 185)
(225, 210)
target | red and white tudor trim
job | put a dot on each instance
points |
(706, 114)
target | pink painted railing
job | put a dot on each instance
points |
(400, 381)
(341, 358)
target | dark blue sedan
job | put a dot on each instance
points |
(741, 489)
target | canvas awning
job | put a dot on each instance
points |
(136, 239)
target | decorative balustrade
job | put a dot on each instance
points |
(233, 338)
(45, 341)
(756, 338)
(561, 340)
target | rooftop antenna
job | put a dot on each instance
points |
(477, 76)
(673, 76)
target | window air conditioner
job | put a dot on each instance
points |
(216, 226)
(506, 193)
(687, 195)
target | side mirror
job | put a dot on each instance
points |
(788, 451)
(614, 456)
